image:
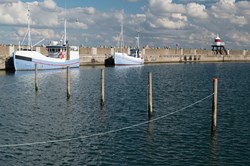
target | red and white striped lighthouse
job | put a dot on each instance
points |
(218, 41)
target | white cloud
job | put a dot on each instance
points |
(238, 20)
(136, 19)
(166, 23)
(46, 33)
(89, 10)
(50, 4)
(221, 17)
(228, 2)
(196, 10)
(77, 25)
(165, 6)
(161, 22)
(223, 9)
(239, 38)
(16, 16)
(179, 16)
(165, 14)
(37, 35)
(236, 13)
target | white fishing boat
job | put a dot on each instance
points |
(26, 60)
(133, 58)
(60, 55)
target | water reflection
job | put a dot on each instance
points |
(150, 128)
(213, 149)
(48, 115)
(6, 72)
(68, 106)
(102, 108)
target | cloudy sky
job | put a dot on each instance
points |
(191, 24)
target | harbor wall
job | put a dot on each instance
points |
(97, 56)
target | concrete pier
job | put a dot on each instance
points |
(97, 56)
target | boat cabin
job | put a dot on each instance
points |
(56, 51)
(135, 53)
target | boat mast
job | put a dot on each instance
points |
(65, 24)
(28, 31)
(29, 35)
(138, 40)
(65, 32)
(121, 35)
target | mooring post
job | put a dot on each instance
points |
(36, 78)
(150, 107)
(68, 70)
(68, 52)
(68, 82)
(214, 105)
(102, 87)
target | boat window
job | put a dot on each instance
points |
(133, 52)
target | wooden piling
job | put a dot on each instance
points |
(36, 78)
(68, 71)
(68, 52)
(214, 105)
(102, 87)
(68, 82)
(150, 103)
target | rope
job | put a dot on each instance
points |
(107, 132)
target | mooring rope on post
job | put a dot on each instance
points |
(106, 132)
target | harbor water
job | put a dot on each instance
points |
(46, 128)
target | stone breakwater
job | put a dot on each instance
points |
(97, 56)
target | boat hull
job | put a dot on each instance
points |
(26, 60)
(125, 59)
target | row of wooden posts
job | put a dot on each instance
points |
(150, 98)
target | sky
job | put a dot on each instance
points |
(160, 23)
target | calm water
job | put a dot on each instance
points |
(182, 138)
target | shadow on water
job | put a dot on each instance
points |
(150, 129)
(7, 72)
(214, 149)
(68, 106)
(102, 108)
(10, 72)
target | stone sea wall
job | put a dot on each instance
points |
(97, 56)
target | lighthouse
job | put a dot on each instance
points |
(219, 47)
(218, 41)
